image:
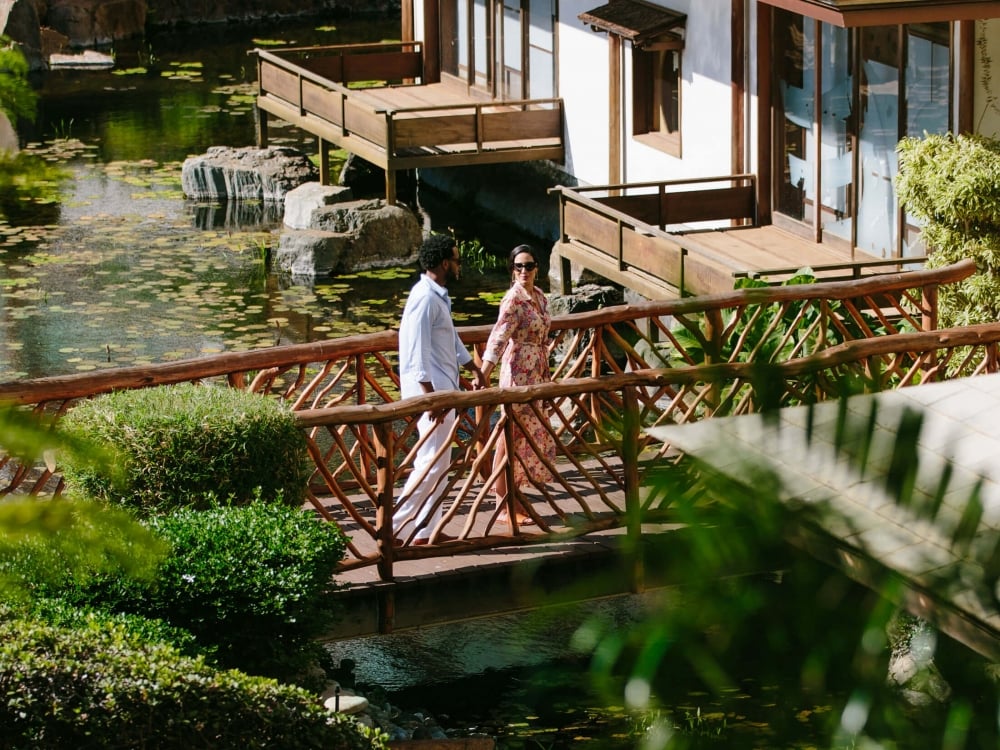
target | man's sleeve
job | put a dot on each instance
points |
(421, 345)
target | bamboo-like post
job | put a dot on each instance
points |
(633, 504)
(713, 348)
(384, 481)
(508, 465)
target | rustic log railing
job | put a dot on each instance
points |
(615, 372)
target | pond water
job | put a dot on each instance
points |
(117, 268)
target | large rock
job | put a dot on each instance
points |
(348, 237)
(246, 173)
(304, 254)
(383, 235)
(96, 22)
(301, 202)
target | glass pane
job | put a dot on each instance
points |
(541, 49)
(928, 77)
(480, 43)
(455, 32)
(541, 84)
(794, 76)
(836, 173)
(510, 63)
(877, 138)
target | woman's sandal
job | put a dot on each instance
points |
(522, 519)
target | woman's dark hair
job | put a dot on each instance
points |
(435, 249)
(517, 251)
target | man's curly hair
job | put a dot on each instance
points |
(435, 249)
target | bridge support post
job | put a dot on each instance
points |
(324, 161)
(261, 128)
(633, 505)
(384, 479)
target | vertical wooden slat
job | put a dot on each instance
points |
(765, 114)
(737, 63)
(324, 161)
(633, 505)
(614, 109)
(385, 479)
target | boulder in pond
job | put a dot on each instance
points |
(347, 237)
(247, 173)
(301, 202)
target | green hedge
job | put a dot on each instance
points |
(251, 583)
(183, 445)
(99, 687)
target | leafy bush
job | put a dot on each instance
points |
(249, 582)
(952, 185)
(97, 686)
(183, 445)
(52, 543)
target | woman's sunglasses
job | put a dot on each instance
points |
(525, 266)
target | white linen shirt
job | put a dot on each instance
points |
(429, 347)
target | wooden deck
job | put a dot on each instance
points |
(371, 100)
(692, 237)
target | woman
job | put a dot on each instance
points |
(519, 341)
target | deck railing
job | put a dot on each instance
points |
(309, 86)
(615, 371)
(651, 228)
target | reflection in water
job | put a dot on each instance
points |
(122, 270)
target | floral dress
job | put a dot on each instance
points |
(519, 341)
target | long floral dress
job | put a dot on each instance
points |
(519, 341)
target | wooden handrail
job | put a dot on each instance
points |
(82, 385)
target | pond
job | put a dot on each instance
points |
(118, 268)
(793, 658)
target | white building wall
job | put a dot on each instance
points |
(584, 87)
(707, 126)
(706, 100)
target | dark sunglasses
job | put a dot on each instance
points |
(525, 266)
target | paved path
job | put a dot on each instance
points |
(869, 529)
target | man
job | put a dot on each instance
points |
(430, 354)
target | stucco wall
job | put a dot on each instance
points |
(986, 110)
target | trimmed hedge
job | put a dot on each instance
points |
(97, 687)
(184, 445)
(250, 583)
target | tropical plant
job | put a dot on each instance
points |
(951, 184)
(804, 613)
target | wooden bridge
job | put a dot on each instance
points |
(618, 375)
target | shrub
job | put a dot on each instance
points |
(97, 686)
(249, 582)
(952, 185)
(182, 445)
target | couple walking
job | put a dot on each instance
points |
(430, 355)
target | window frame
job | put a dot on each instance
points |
(650, 89)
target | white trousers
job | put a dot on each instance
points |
(427, 481)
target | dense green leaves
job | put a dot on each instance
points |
(185, 445)
(17, 98)
(952, 185)
(98, 686)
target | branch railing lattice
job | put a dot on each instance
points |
(616, 371)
